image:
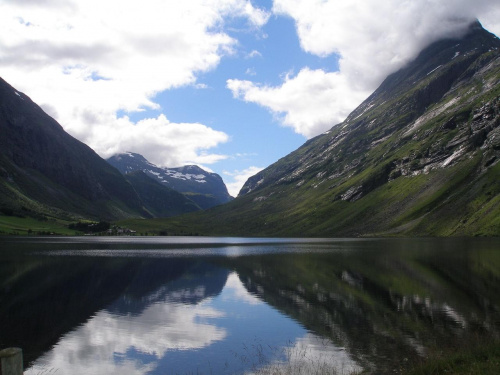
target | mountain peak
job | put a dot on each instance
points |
(476, 26)
(206, 189)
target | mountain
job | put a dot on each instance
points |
(45, 171)
(419, 157)
(204, 188)
(159, 200)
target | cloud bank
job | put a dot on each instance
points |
(373, 39)
(85, 61)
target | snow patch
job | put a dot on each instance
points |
(433, 70)
(188, 176)
(429, 115)
(364, 111)
(15, 92)
(176, 175)
(454, 156)
(456, 55)
(260, 199)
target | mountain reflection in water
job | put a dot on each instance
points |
(160, 307)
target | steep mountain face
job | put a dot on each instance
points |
(419, 157)
(204, 188)
(44, 169)
(157, 199)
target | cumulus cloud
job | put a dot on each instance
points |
(372, 39)
(159, 140)
(239, 178)
(87, 60)
(310, 102)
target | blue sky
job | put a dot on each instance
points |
(257, 137)
(230, 85)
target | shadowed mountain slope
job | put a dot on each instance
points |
(45, 170)
(159, 200)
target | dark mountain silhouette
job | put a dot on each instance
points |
(45, 170)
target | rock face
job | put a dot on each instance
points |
(418, 157)
(44, 169)
(204, 188)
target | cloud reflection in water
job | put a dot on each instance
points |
(94, 347)
(182, 328)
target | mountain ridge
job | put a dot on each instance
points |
(206, 189)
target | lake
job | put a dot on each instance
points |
(200, 305)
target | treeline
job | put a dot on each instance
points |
(91, 227)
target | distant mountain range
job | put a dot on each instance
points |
(204, 188)
(420, 157)
(45, 172)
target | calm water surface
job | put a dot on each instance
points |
(197, 305)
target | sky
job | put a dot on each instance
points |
(229, 85)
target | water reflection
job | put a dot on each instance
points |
(177, 317)
(127, 344)
(107, 307)
(386, 302)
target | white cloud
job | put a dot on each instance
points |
(253, 54)
(250, 72)
(239, 178)
(373, 39)
(84, 61)
(162, 142)
(311, 102)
